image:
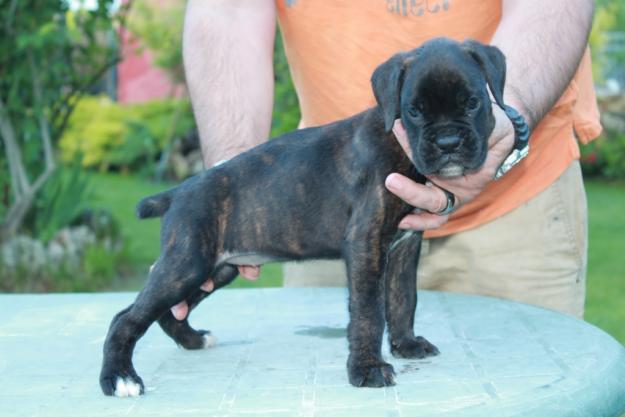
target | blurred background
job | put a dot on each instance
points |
(94, 115)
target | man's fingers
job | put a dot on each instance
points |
(250, 272)
(208, 286)
(432, 199)
(423, 221)
(180, 310)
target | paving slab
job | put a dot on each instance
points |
(282, 352)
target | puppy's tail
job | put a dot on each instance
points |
(155, 205)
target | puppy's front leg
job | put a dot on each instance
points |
(364, 257)
(401, 298)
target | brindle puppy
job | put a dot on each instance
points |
(319, 193)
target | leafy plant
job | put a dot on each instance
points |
(51, 56)
(74, 260)
(286, 112)
(609, 17)
(103, 134)
(63, 198)
(157, 27)
(605, 156)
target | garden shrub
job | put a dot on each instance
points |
(63, 198)
(74, 260)
(64, 245)
(104, 134)
(605, 156)
(286, 111)
(5, 184)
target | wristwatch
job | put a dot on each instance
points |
(521, 141)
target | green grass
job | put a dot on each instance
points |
(605, 299)
(605, 306)
(120, 194)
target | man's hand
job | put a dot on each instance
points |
(430, 197)
(181, 310)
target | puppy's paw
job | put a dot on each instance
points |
(122, 386)
(197, 339)
(208, 340)
(414, 348)
(379, 374)
(128, 387)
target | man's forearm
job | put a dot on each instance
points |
(228, 50)
(544, 42)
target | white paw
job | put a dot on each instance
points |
(127, 388)
(209, 340)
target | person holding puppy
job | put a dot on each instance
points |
(522, 236)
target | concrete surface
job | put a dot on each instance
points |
(282, 352)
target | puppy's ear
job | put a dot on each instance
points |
(386, 81)
(493, 63)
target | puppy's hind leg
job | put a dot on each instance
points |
(170, 282)
(180, 330)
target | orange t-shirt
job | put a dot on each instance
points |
(334, 46)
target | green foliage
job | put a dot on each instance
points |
(119, 194)
(74, 261)
(50, 57)
(609, 16)
(5, 184)
(605, 156)
(70, 246)
(99, 266)
(63, 198)
(69, 52)
(104, 134)
(158, 27)
(286, 112)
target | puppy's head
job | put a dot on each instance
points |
(439, 91)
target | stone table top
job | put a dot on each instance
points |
(282, 352)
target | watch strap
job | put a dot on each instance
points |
(520, 149)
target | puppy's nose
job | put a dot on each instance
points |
(448, 142)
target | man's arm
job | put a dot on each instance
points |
(543, 43)
(228, 60)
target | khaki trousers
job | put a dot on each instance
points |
(535, 254)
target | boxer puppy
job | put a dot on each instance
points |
(319, 193)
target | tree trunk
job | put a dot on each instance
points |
(24, 192)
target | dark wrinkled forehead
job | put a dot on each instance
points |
(442, 70)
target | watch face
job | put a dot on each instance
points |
(514, 158)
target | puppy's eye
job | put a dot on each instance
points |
(414, 112)
(473, 104)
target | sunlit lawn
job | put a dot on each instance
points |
(606, 270)
(605, 302)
